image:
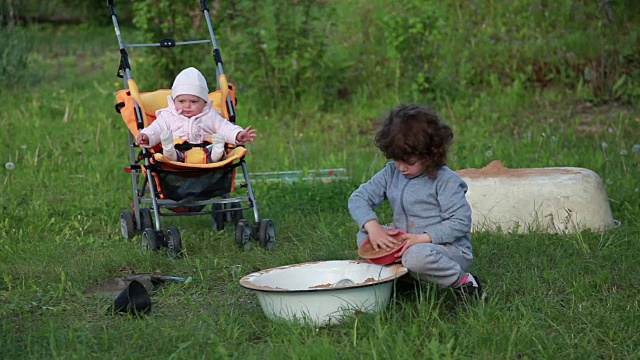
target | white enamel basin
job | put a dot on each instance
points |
(554, 199)
(323, 292)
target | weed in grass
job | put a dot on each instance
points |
(610, 239)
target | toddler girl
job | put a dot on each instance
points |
(428, 201)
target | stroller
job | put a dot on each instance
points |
(163, 188)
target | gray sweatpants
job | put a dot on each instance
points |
(443, 265)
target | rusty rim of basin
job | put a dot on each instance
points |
(397, 270)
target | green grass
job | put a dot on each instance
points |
(549, 296)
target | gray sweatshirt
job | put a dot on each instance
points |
(420, 205)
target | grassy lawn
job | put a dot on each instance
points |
(549, 296)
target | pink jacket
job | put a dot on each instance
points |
(195, 129)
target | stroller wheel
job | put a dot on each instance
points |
(243, 234)
(267, 234)
(217, 215)
(127, 227)
(150, 240)
(174, 243)
(146, 220)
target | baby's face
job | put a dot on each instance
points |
(189, 104)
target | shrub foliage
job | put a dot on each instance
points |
(329, 51)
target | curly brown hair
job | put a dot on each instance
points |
(412, 131)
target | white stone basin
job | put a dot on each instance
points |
(323, 292)
(553, 199)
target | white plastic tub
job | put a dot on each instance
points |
(554, 199)
(323, 292)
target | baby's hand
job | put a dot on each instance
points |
(142, 139)
(246, 135)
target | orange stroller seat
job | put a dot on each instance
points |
(149, 103)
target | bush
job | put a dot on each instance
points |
(162, 19)
(319, 53)
(278, 48)
(14, 54)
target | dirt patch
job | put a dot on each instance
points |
(330, 285)
(368, 252)
(321, 286)
(497, 169)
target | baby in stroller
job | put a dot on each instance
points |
(190, 118)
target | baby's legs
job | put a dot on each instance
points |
(443, 265)
(216, 148)
(168, 150)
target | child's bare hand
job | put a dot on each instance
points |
(412, 239)
(142, 139)
(246, 135)
(381, 238)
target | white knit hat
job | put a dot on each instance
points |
(190, 81)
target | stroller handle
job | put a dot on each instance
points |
(112, 8)
(203, 4)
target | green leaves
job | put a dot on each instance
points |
(14, 54)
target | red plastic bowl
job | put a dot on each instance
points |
(380, 257)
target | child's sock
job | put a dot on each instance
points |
(469, 286)
(168, 150)
(217, 148)
(463, 279)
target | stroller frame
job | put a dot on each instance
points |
(224, 208)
